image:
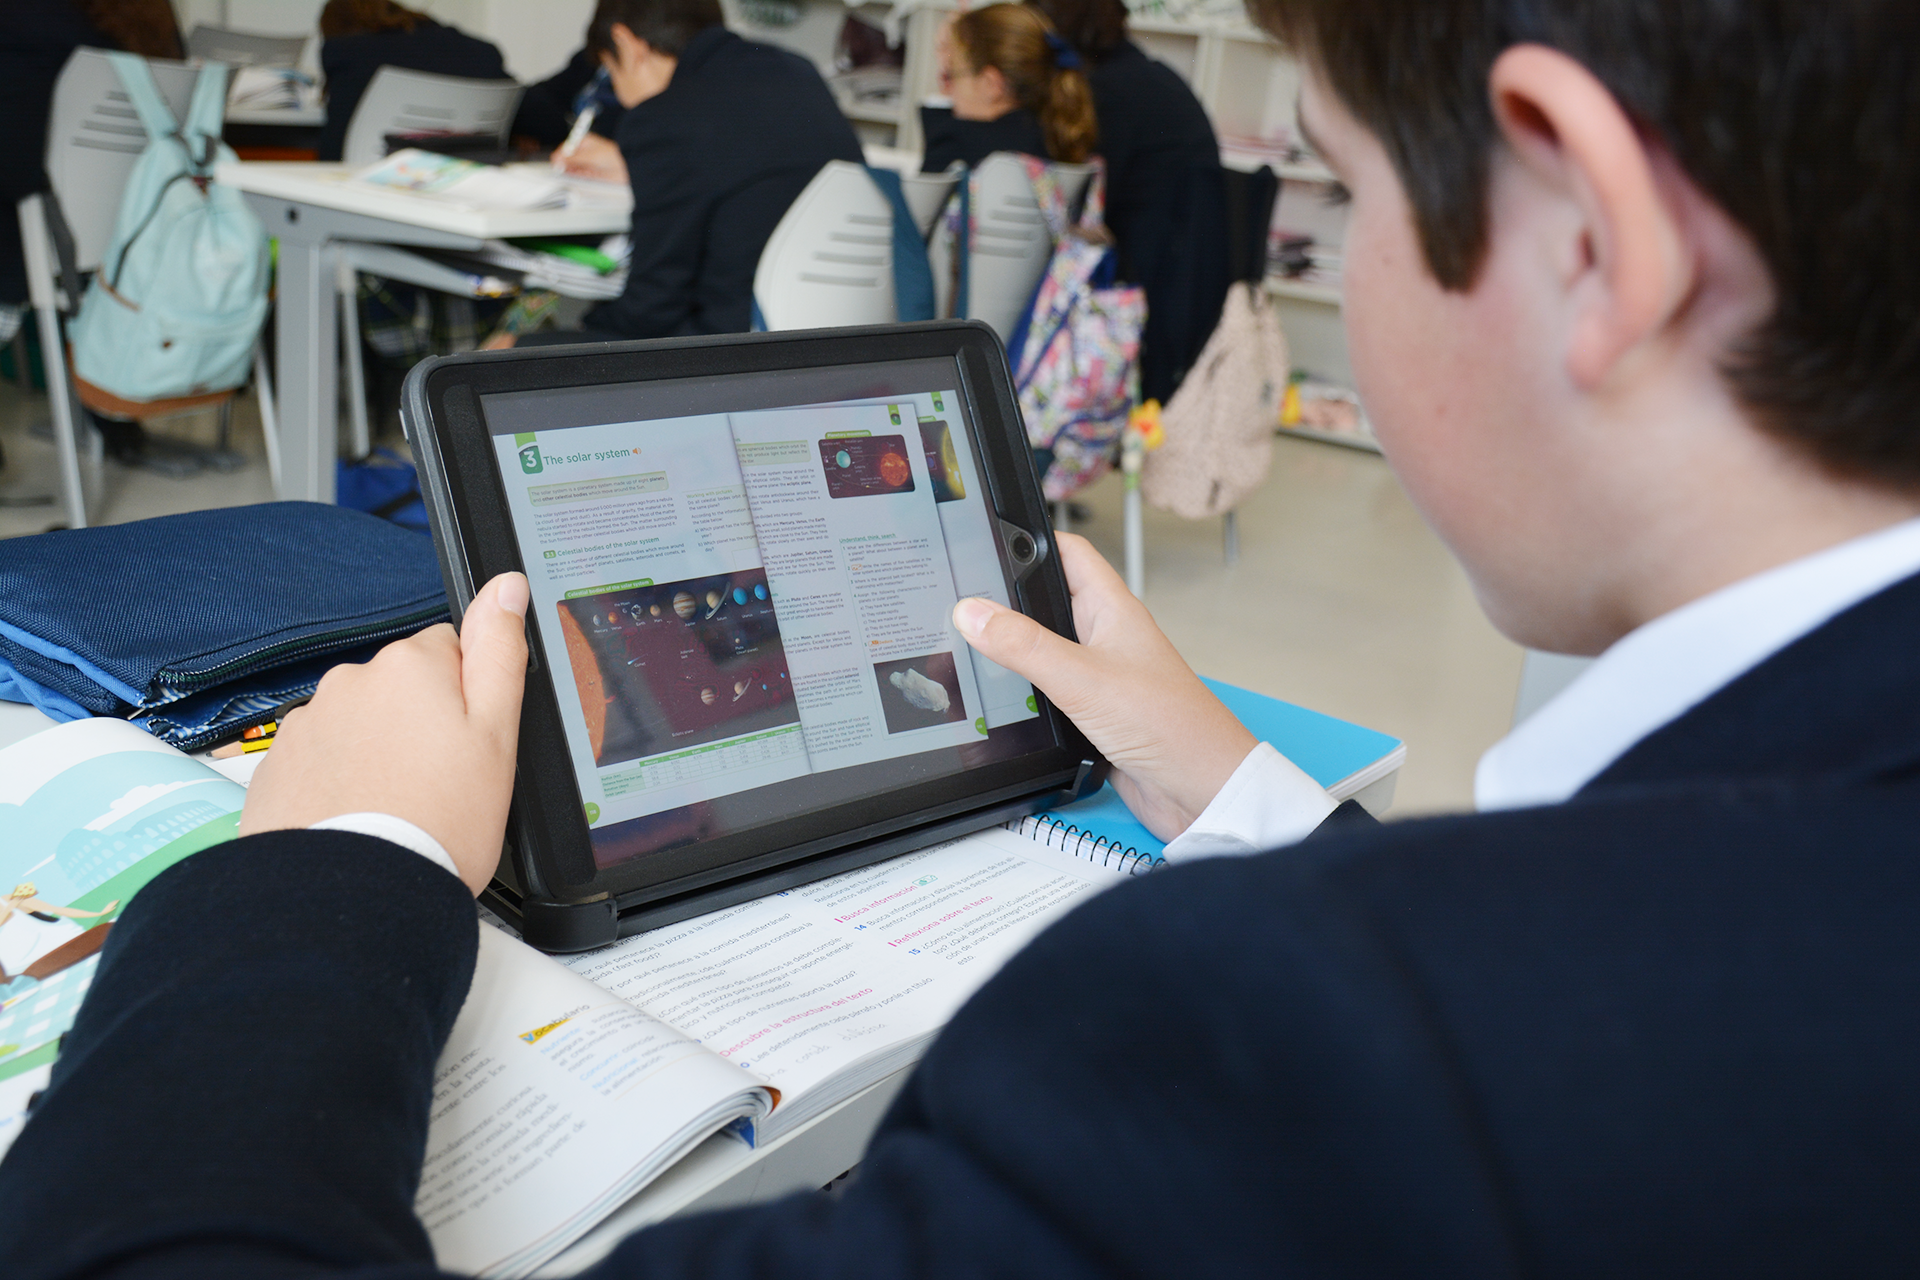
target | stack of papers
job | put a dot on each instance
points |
(462, 182)
(272, 89)
(577, 271)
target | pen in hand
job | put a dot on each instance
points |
(581, 123)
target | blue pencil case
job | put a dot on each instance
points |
(195, 612)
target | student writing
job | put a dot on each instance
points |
(718, 137)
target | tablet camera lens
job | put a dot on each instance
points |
(1022, 548)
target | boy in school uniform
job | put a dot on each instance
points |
(1630, 298)
(718, 136)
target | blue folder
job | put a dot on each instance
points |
(1340, 756)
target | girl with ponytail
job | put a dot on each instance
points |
(1015, 85)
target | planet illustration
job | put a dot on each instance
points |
(740, 689)
(894, 469)
(684, 604)
(843, 459)
(655, 610)
(739, 595)
(759, 591)
(707, 695)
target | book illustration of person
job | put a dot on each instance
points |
(38, 939)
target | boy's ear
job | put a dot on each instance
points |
(1631, 270)
(627, 46)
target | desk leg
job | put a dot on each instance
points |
(309, 369)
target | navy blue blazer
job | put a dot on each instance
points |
(1668, 1028)
(715, 159)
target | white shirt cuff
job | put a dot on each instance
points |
(1268, 802)
(398, 830)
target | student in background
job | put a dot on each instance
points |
(358, 37)
(1165, 194)
(1015, 85)
(720, 134)
(548, 109)
(37, 37)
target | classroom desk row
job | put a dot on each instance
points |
(314, 212)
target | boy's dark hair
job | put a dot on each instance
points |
(1800, 118)
(666, 25)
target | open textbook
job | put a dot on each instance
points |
(566, 1085)
(464, 182)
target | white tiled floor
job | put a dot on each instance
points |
(1342, 601)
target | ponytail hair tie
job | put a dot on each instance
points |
(1064, 55)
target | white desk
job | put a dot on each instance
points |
(313, 209)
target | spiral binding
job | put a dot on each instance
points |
(1085, 845)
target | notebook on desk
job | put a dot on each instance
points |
(1343, 757)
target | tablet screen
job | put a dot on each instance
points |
(743, 591)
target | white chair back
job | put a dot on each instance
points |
(927, 194)
(94, 136)
(400, 101)
(240, 49)
(1011, 241)
(830, 260)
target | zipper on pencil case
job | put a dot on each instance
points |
(294, 650)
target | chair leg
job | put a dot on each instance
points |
(1230, 536)
(66, 420)
(225, 436)
(269, 414)
(1136, 541)
(22, 374)
(360, 432)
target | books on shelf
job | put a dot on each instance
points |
(463, 182)
(272, 89)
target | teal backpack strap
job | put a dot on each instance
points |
(206, 117)
(137, 78)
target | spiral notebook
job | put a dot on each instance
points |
(1344, 758)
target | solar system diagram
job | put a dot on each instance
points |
(866, 466)
(662, 667)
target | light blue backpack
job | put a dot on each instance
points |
(179, 298)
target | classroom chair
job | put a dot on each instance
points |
(1009, 247)
(400, 101)
(241, 49)
(94, 136)
(829, 261)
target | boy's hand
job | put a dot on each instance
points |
(426, 732)
(1171, 742)
(597, 158)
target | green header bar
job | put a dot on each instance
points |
(523, 437)
(577, 592)
(843, 435)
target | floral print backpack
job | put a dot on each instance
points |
(1075, 356)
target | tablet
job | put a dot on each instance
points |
(744, 552)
